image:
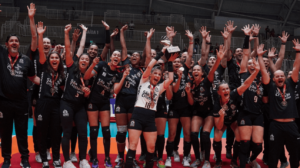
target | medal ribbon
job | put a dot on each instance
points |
(257, 86)
(151, 92)
(12, 63)
(282, 95)
(53, 80)
(223, 104)
(82, 82)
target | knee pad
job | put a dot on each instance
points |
(205, 137)
(94, 132)
(194, 136)
(217, 145)
(106, 133)
(121, 137)
(160, 139)
(256, 147)
(245, 147)
(122, 128)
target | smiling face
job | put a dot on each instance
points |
(54, 61)
(115, 58)
(266, 62)
(211, 61)
(238, 54)
(155, 76)
(13, 45)
(279, 78)
(197, 72)
(250, 66)
(84, 62)
(153, 53)
(47, 45)
(135, 58)
(93, 51)
(176, 64)
(224, 91)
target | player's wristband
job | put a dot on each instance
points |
(170, 66)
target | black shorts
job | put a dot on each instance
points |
(246, 118)
(202, 114)
(34, 89)
(161, 112)
(125, 103)
(103, 105)
(177, 113)
(142, 119)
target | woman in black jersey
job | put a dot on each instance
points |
(143, 117)
(72, 104)
(107, 76)
(225, 115)
(200, 96)
(47, 107)
(250, 118)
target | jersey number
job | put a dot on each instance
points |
(147, 105)
(255, 99)
(127, 84)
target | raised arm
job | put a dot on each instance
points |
(255, 33)
(220, 56)
(112, 36)
(31, 13)
(249, 80)
(123, 43)
(283, 39)
(82, 41)
(90, 72)
(147, 72)
(204, 53)
(148, 47)
(263, 70)
(296, 66)
(225, 36)
(118, 86)
(170, 78)
(247, 30)
(190, 49)
(171, 33)
(271, 55)
(75, 37)
(230, 29)
(41, 31)
(69, 59)
(189, 94)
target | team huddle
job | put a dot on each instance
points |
(72, 89)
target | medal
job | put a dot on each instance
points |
(12, 64)
(257, 88)
(52, 90)
(12, 72)
(284, 102)
(152, 104)
(152, 96)
(225, 107)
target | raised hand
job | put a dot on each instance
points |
(68, 28)
(83, 27)
(40, 29)
(260, 50)
(222, 112)
(105, 25)
(189, 34)
(271, 53)
(256, 65)
(225, 34)
(203, 31)
(170, 31)
(230, 27)
(188, 87)
(247, 30)
(125, 27)
(296, 45)
(115, 32)
(150, 33)
(31, 10)
(86, 91)
(284, 37)
(96, 61)
(208, 37)
(221, 52)
(76, 34)
(255, 30)
(126, 72)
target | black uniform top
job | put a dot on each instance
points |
(161, 103)
(46, 84)
(277, 110)
(233, 74)
(230, 108)
(218, 76)
(104, 82)
(14, 88)
(34, 55)
(132, 81)
(297, 91)
(179, 100)
(202, 95)
(72, 91)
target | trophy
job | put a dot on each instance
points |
(172, 52)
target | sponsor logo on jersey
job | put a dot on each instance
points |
(104, 74)
(40, 118)
(118, 109)
(65, 113)
(113, 79)
(90, 106)
(271, 137)
(171, 113)
(232, 106)
(132, 123)
(242, 122)
(21, 61)
(202, 89)
(1, 114)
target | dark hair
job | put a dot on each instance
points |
(76, 70)
(60, 70)
(92, 45)
(218, 86)
(202, 69)
(141, 60)
(9, 36)
(155, 67)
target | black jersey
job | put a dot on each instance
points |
(230, 108)
(233, 74)
(202, 95)
(218, 75)
(46, 84)
(161, 103)
(179, 99)
(297, 98)
(72, 91)
(35, 57)
(277, 109)
(14, 88)
(132, 81)
(252, 97)
(104, 82)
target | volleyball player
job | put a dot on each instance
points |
(47, 107)
(72, 105)
(143, 117)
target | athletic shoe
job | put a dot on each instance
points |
(284, 165)
(68, 164)
(218, 165)
(142, 157)
(160, 163)
(135, 164)
(73, 157)
(254, 164)
(206, 164)
(57, 164)
(107, 163)
(117, 159)
(189, 158)
(95, 163)
(168, 162)
(6, 164)
(185, 162)
(233, 164)
(196, 163)
(120, 163)
(202, 155)
(38, 157)
(25, 164)
(48, 154)
(176, 156)
(84, 164)
(46, 165)
(228, 154)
